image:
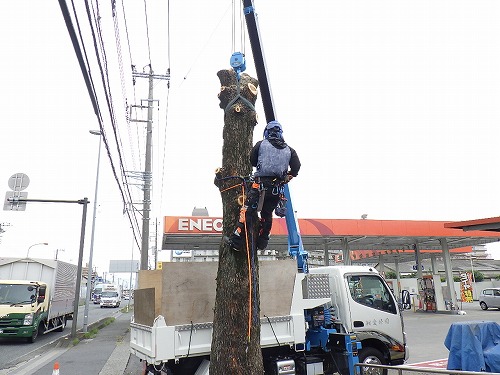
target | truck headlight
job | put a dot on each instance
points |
(28, 319)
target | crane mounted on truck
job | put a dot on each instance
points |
(336, 316)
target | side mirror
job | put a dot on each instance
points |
(405, 300)
(40, 299)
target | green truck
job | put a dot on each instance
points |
(36, 296)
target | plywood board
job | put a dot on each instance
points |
(276, 281)
(189, 290)
(151, 279)
(144, 308)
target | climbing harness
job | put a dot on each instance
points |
(251, 192)
(280, 209)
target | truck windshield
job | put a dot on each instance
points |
(16, 293)
(109, 294)
(370, 290)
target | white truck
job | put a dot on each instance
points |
(110, 296)
(96, 293)
(36, 296)
(309, 322)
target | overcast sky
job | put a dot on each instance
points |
(393, 108)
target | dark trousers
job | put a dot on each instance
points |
(271, 199)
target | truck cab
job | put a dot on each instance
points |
(23, 308)
(36, 296)
(110, 296)
(96, 293)
(363, 304)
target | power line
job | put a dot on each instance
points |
(90, 87)
(202, 50)
(107, 91)
(133, 87)
(147, 33)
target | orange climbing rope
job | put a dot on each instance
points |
(242, 219)
(243, 212)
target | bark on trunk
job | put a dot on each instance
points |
(236, 331)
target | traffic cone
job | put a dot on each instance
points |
(55, 371)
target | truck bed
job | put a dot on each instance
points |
(170, 299)
(161, 343)
(173, 310)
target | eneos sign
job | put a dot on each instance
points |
(193, 225)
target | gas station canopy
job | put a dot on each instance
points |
(364, 238)
(491, 224)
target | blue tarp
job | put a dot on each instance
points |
(474, 346)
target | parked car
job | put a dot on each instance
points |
(490, 298)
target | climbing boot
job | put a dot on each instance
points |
(235, 242)
(262, 242)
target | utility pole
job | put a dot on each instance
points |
(146, 209)
(147, 178)
(156, 243)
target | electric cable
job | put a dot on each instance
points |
(106, 85)
(129, 130)
(105, 82)
(101, 126)
(202, 50)
(147, 33)
(90, 88)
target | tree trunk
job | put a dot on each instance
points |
(236, 331)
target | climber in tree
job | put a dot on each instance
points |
(271, 157)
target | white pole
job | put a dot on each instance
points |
(130, 282)
(89, 274)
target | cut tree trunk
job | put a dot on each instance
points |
(236, 330)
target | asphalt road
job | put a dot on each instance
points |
(15, 351)
(426, 332)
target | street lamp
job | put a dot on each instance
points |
(57, 252)
(40, 243)
(89, 275)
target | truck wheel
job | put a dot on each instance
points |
(34, 335)
(63, 324)
(371, 356)
(483, 305)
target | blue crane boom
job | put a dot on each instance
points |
(295, 245)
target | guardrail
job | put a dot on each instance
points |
(372, 369)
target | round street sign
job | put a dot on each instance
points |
(19, 181)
